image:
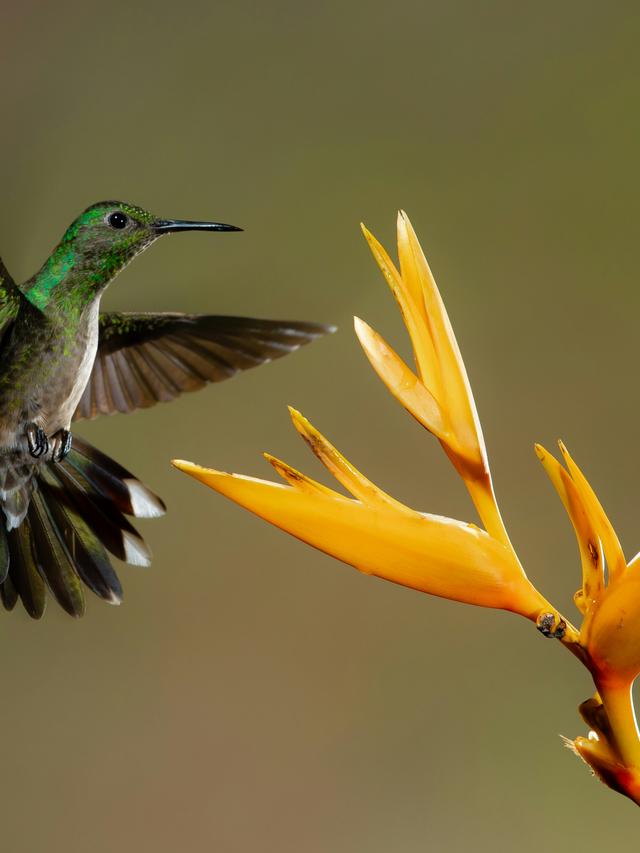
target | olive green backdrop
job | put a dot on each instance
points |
(252, 694)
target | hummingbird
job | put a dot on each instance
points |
(65, 503)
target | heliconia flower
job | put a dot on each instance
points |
(610, 633)
(377, 534)
(381, 536)
(374, 532)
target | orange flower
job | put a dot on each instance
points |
(373, 531)
(454, 559)
(610, 632)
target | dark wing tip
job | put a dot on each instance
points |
(311, 330)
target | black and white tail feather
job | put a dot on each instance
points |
(76, 514)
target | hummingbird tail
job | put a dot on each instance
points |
(16, 485)
(75, 515)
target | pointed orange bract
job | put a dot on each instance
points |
(442, 374)
(611, 628)
(405, 386)
(429, 553)
(439, 396)
(586, 534)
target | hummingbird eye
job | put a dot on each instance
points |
(118, 220)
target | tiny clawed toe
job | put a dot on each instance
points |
(61, 445)
(37, 441)
(551, 626)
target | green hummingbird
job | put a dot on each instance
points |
(64, 502)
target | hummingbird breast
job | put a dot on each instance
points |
(44, 369)
(77, 370)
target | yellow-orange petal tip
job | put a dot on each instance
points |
(181, 464)
(191, 468)
(295, 415)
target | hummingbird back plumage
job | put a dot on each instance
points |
(65, 506)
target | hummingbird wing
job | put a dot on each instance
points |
(10, 299)
(144, 359)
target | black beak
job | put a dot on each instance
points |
(169, 226)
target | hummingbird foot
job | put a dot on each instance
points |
(61, 443)
(37, 441)
(551, 625)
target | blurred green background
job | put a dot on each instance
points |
(252, 694)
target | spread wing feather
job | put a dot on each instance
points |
(145, 359)
(10, 299)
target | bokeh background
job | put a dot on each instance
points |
(251, 694)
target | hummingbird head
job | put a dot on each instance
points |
(98, 245)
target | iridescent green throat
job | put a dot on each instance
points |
(43, 287)
(88, 257)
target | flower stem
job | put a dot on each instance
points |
(618, 703)
(484, 498)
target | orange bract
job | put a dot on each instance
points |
(378, 536)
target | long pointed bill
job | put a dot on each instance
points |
(170, 226)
